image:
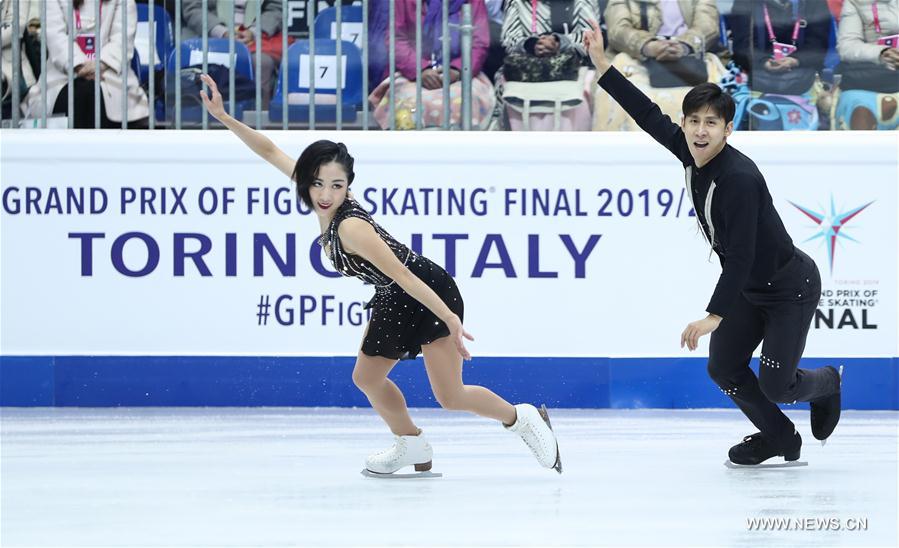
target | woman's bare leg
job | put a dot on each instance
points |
(444, 366)
(370, 376)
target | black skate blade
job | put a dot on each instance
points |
(544, 414)
(824, 441)
(787, 464)
(558, 465)
(416, 475)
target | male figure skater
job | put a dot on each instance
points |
(768, 289)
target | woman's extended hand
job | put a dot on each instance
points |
(215, 106)
(457, 332)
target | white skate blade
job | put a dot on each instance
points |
(416, 475)
(545, 415)
(788, 464)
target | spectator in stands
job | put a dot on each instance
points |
(29, 25)
(869, 85)
(836, 7)
(378, 21)
(544, 71)
(112, 66)
(661, 47)
(244, 27)
(434, 68)
(782, 60)
(496, 52)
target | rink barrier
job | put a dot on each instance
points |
(619, 383)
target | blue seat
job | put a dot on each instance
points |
(165, 41)
(325, 90)
(832, 57)
(243, 63)
(135, 61)
(192, 54)
(351, 24)
(723, 33)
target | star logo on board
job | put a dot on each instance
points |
(831, 227)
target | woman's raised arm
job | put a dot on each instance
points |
(258, 143)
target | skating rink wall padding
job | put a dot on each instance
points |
(623, 383)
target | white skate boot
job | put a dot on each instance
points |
(406, 450)
(535, 429)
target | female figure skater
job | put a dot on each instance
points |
(416, 307)
(768, 289)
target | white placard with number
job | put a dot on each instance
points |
(212, 58)
(348, 31)
(325, 71)
(142, 43)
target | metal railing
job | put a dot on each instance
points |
(112, 13)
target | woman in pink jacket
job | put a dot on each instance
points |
(435, 68)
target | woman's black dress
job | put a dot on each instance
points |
(399, 324)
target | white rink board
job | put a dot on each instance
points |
(646, 277)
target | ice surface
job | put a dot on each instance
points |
(280, 476)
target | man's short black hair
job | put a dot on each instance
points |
(712, 96)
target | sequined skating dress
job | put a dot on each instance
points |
(399, 324)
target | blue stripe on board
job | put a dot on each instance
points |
(102, 381)
(27, 381)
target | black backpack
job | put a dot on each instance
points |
(191, 86)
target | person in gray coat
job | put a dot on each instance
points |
(244, 26)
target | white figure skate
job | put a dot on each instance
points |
(535, 429)
(406, 451)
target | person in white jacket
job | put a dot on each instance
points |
(111, 62)
(28, 12)
(868, 34)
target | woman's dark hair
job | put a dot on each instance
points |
(316, 154)
(709, 94)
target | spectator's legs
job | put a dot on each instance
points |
(866, 110)
(84, 108)
(862, 119)
(84, 104)
(268, 79)
(888, 107)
